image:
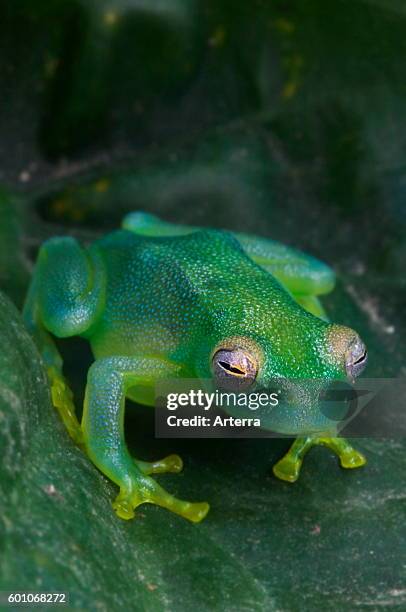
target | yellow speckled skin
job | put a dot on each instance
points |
(155, 300)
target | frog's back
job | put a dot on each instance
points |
(161, 288)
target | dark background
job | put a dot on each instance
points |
(285, 119)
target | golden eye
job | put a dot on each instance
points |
(346, 350)
(234, 368)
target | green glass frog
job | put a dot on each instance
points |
(159, 301)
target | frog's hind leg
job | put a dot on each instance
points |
(304, 276)
(103, 426)
(146, 224)
(301, 274)
(312, 304)
(62, 301)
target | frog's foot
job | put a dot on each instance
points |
(144, 490)
(288, 468)
(62, 399)
(171, 463)
(349, 457)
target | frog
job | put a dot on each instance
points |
(159, 300)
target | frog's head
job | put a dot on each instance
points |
(240, 361)
(297, 364)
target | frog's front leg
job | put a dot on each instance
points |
(288, 468)
(64, 299)
(109, 379)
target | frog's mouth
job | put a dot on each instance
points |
(303, 408)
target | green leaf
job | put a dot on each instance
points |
(265, 544)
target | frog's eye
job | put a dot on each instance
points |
(234, 368)
(356, 358)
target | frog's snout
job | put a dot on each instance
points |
(346, 350)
